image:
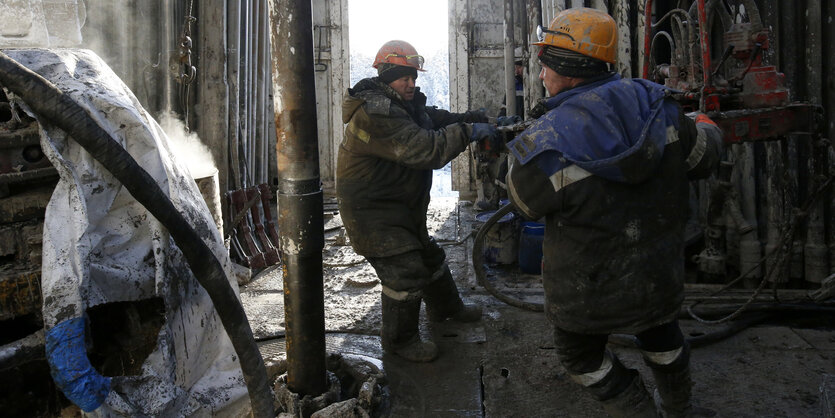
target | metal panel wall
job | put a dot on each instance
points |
(332, 66)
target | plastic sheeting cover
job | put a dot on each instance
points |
(100, 245)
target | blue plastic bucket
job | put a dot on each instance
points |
(502, 240)
(530, 247)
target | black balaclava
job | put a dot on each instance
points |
(571, 64)
(389, 72)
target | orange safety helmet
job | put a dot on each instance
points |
(590, 32)
(399, 53)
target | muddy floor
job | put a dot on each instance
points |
(505, 365)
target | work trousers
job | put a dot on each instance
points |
(420, 274)
(583, 353)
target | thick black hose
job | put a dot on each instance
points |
(478, 264)
(53, 105)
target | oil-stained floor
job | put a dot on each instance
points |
(505, 365)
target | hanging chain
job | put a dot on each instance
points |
(187, 71)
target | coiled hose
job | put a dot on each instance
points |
(478, 264)
(51, 103)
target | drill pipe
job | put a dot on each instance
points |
(300, 204)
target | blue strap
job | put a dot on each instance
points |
(71, 369)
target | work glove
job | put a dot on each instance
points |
(700, 117)
(487, 136)
(483, 131)
(508, 120)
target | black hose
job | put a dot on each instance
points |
(52, 104)
(731, 329)
(478, 264)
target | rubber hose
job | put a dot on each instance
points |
(478, 264)
(732, 328)
(51, 103)
(767, 307)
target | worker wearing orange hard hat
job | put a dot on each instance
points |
(607, 166)
(392, 142)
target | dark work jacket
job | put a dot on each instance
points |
(608, 168)
(385, 162)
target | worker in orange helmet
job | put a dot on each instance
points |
(608, 167)
(392, 142)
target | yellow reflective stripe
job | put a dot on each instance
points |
(360, 133)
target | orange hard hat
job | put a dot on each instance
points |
(587, 31)
(399, 53)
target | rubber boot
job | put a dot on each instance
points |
(400, 333)
(633, 401)
(621, 390)
(674, 385)
(443, 302)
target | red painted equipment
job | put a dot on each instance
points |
(749, 100)
(255, 249)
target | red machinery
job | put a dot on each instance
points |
(749, 100)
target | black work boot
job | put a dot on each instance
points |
(400, 334)
(621, 390)
(633, 401)
(443, 302)
(673, 382)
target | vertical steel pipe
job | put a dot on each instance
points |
(816, 254)
(829, 109)
(257, 93)
(533, 88)
(791, 64)
(300, 204)
(250, 91)
(750, 248)
(509, 68)
(166, 44)
(244, 91)
(233, 59)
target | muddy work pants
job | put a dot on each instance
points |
(589, 363)
(420, 274)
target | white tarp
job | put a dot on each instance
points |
(100, 246)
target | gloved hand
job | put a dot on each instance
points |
(483, 131)
(508, 120)
(700, 117)
(487, 136)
